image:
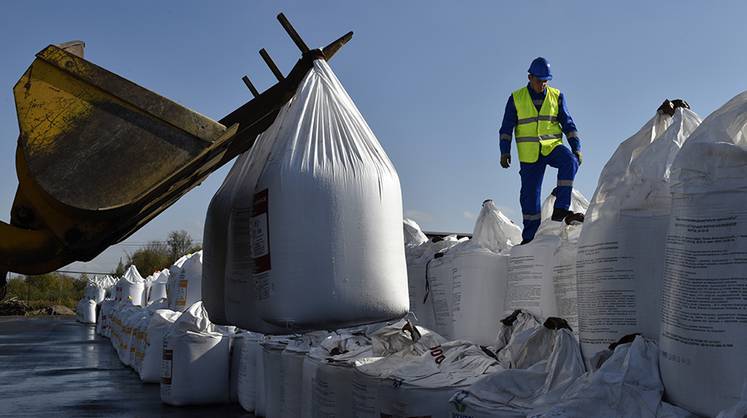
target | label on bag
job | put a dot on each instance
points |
(260, 232)
(166, 365)
(260, 244)
(181, 298)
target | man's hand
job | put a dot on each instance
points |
(506, 160)
(579, 156)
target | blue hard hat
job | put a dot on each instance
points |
(540, 68)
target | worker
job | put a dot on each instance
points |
(537, 115)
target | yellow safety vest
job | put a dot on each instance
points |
(536, 131)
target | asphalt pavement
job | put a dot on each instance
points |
(55, 366)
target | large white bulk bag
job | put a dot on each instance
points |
(392, 348)
(121, 331)
(564, 269)
(174, 273)
(87, 311)
(564, 275)
(188, 284)
(620, 258)
(95, 292)
(515, 323)
(247, 379)
(285, 401)
(141, 335)
(272, 350)
(158, 285)
(329, 369)
(131, 323)
(627, 386)
(530, 272)
(292, 365)
(415, 241)
(418, 258)
(240, 292)
(468, 284)
(238, 344)
(131, 287)
(292, 359)
(424, 385)
(328, 372)
(103, 326)
(150, 371)
(196, 361)
(704, 309)
(214, 241)
(414, 236)
(514, 392)
(323, 163)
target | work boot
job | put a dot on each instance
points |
(574, 218)
(558, 214)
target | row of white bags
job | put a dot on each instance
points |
(646, 249)
(397, 370)
(184, 352)
(462, 288)
(180, 284)
(661, 253)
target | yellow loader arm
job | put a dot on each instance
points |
(98, 156)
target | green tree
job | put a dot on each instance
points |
(179, 243)
(47, 289)
(151, 258)
(119, 271)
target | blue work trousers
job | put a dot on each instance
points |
(531, 186)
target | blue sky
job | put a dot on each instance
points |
(430, 77)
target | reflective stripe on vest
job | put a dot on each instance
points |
(536, 131)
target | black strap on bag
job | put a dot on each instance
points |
(627, 339)
(556, 323)
(509, 320)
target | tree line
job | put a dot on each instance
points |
(158, 255)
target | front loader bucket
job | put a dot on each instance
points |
(99, 156)
(95, 152)
(114, 140)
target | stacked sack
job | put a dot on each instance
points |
(96, 288)
(161, 321)
(130, 287)
(328, 382)
(620, 259)
(352, 192)
(538, 363)
(155, 286)
(93, 295)
(104, 323)
(86, 311)
(186, 283)
(196, 361)
(247, 383)
(540, 279)
(419, 251)
(328, 373)
(419, 381)
(468, 283)
(703, 335)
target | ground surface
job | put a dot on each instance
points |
(54, 366)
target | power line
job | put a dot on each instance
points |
(82, 272)
(143, 244)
